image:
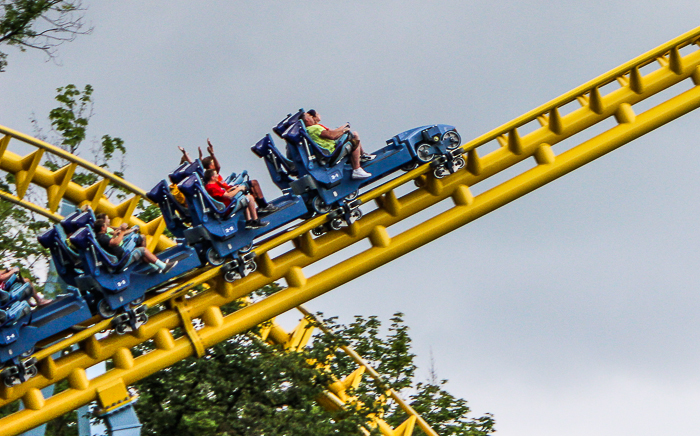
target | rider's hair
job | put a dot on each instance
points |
(206, 161)
(311, 112)
(208, 175)
(98, 225)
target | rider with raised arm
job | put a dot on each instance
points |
(212, 163)
(330, 139)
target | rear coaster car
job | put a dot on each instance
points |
(18, 338)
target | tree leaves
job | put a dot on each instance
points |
(62, 20)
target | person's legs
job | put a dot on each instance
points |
(251, 209)
(252, 221)
(256, 190)
(144, 254)
(355, 158)
(39, 299)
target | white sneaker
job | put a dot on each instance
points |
(360, 174)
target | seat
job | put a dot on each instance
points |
(176, 215)
(297, 135)
(65, 258)
(185, 170)
(280, 167)
(78, 219)
(91, 250)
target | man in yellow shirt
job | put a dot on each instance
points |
(330, 139)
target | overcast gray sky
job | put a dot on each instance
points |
(572, 310)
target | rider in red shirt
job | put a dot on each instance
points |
(224, 193)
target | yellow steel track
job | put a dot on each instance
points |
(674, 63)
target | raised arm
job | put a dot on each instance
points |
(185, 156)
(210, 149)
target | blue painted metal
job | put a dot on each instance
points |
(222, 229)
(326, 180)
(115, 280)
(17, 340)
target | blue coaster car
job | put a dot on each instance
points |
(119, 286)
(65, 257)
(18, 339)
(221, 229)
(325, 181)
(176, 215)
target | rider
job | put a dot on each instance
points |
(212, 163)
(224, 193)
(9, 272)
(330, 139)
(132, 237)
(111, 244)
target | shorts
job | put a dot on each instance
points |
(345, 138)
(135, 256)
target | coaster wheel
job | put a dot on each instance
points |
(250, 267)
(246, 249)
(214, 258)
(424, 154)
(336, 223)
(458, 164)
(441, 172)
(120, 328)
(320, 206)
(104, 310)
(453, 139)
(409, 166)
(355, 215)
(231, 276)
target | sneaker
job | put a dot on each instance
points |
(255, 224)
(360, 174)
(168, 266)
(268, 209)
(367, 157)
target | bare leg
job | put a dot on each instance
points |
(356, 142)
(355, 158)
(149, 257)
(256, 190)
(251, 211)
(39, 300)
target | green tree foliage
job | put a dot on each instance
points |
(19, 229)
(391, 356)
(244, 386)
(39, 24)
(69, 122)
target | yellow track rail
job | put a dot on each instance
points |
(554, 127)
